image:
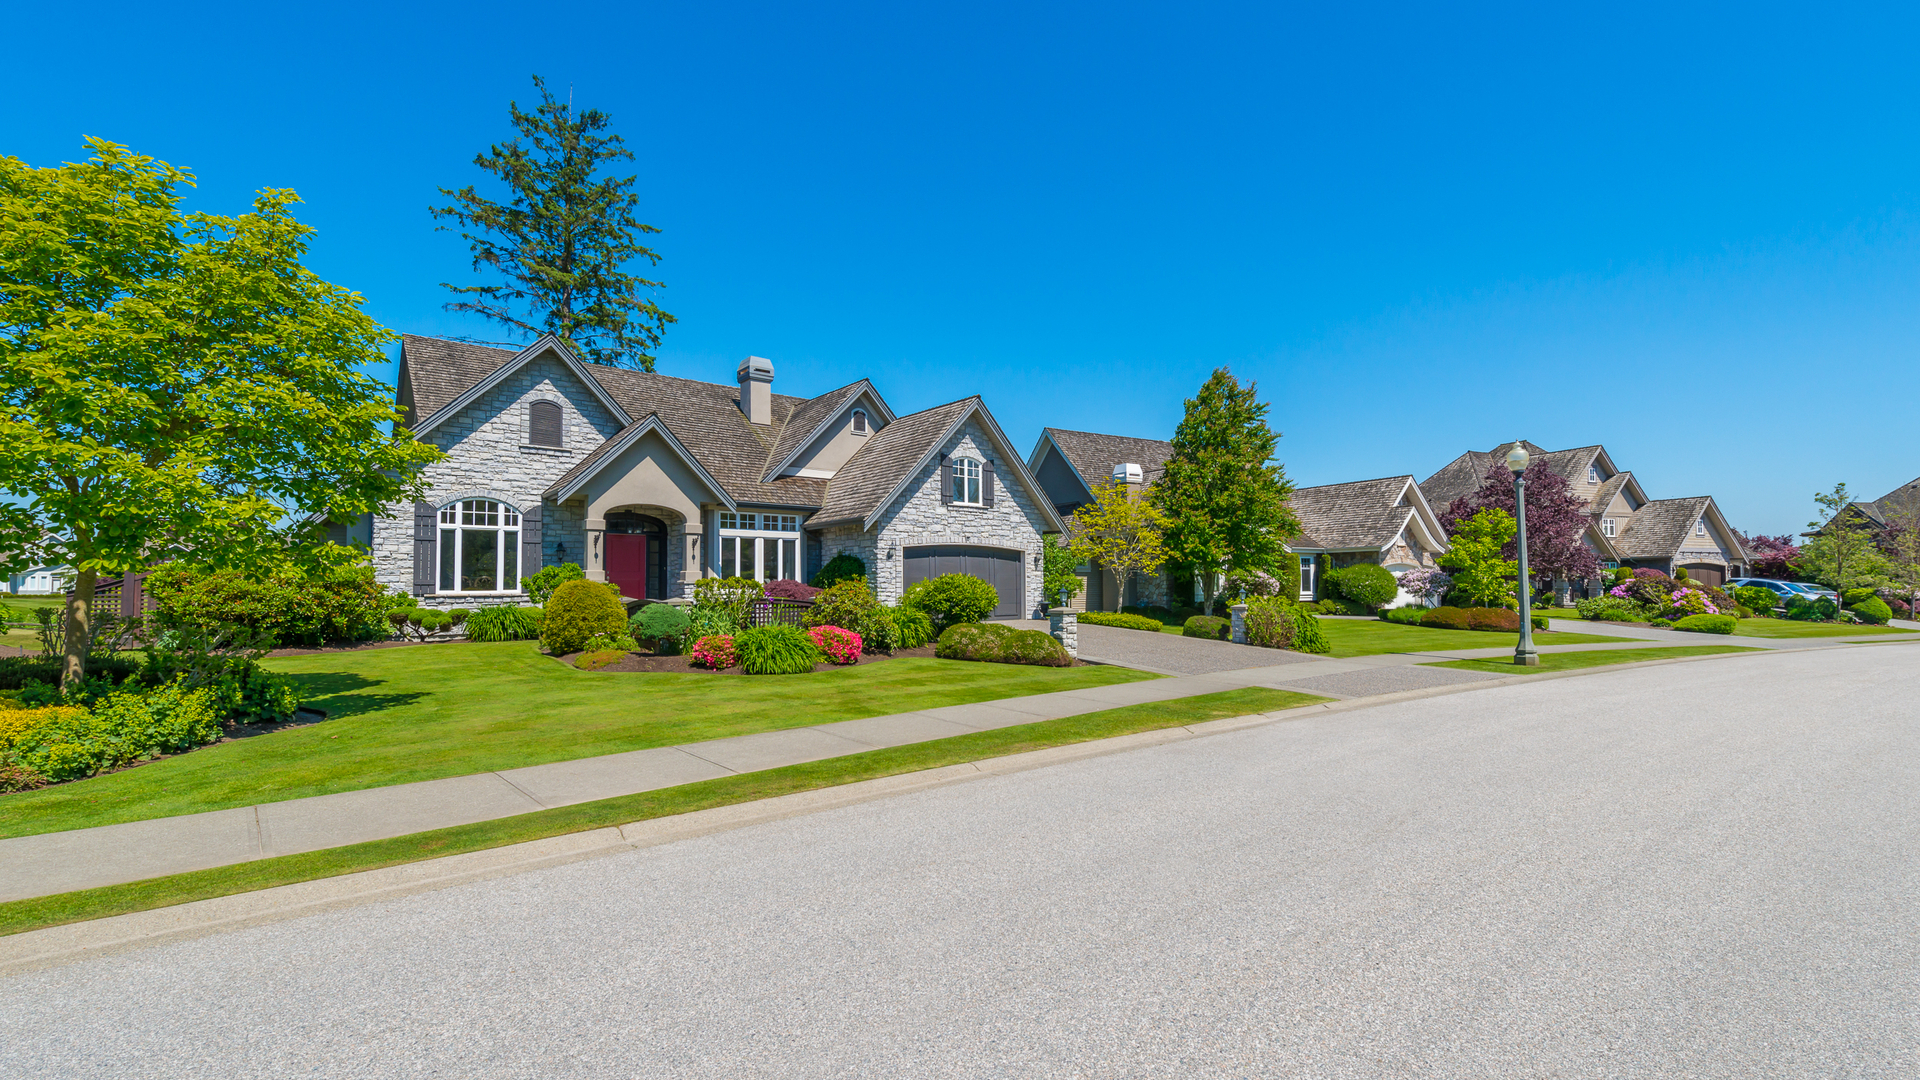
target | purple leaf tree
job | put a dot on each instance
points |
(1772, 556)
(1556, 520)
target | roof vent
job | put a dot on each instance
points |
(756, 389)
(1128, 473)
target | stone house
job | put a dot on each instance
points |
(653, 482)
(1625, 528)
(1386, 521)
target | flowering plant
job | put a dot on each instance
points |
(1689, 601)
(715, 651)
(841, 646)
(1621, 590)
(1425, 583)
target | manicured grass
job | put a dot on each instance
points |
(1787, 628)
(1571, 661)
(1353, 637)
(431, 711)
(21, 915)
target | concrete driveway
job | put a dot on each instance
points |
(1702, 870)
(1170, 654)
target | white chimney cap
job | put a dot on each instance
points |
(756, 367)
(1128, 473)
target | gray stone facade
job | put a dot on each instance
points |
(488, 457)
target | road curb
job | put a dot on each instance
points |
(56, 946)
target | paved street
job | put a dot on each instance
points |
(1703, 870)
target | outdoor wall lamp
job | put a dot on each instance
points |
(1523, 653)
(560, 551)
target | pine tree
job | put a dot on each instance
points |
(564, 239)
(1224, 497)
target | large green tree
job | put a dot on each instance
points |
(176, 383)
(1224, 497)
(1840, 551)
(1476, 555)
(563, 239)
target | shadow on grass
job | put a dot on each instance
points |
(334, 691)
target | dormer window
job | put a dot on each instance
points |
(1699, 528)
(543, 424)
(859, 421)
(1593, 474)
(1606, 526)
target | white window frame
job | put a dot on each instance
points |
(859, 422)
(1700, 528)
(1306, 577)
(1593, 474)
(966, 482)
(767, 546)
(1606, 527)
(462, 517)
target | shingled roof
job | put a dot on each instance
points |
(434, 371)
(1363, 515)
(1464, 474)
(1904, 499)
(880, 466)
(1094, 456)
(1660, 528)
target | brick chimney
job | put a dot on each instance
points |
(756, 389)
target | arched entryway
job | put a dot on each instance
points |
(637, 554)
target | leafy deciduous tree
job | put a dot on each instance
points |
(1118, 531)
(1477, 555)
(1901, 546)
(1776, 557)
(177, 382)
(1840, 552)
(564, 238)
(1223, 495)
(1057, 563)
(1556, 520)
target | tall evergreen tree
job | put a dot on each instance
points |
(564, 239)
(1224, 497)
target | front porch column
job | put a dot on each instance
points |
(595, 563)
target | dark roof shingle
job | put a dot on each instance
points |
(1093, 455)
(886, 459)
(1361, 514)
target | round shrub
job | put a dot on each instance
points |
(1707, 624)
(1406, 615)
(838, 645)
(1811, 609)
(838, 569)
(576, 612)
(951, 599)
(1208, 626)
(504, 622)
(1873, 610)
(1661, 623)
(1307, 635)
(1850, 597)
(540, 586)
(844, 603)
(1758, 597)
(1128, 622)
(715, 651)
(1368, 584)
(775, 650)
(996, 643)
(661, 625)
(884, 629)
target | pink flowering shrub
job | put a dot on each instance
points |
(715, 651)
(1689, 601)
(841, 646)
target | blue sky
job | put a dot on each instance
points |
(1688, 235)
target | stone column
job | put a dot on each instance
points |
(1064, 625)
(690, 569)
(594, 559)
(1239, 623)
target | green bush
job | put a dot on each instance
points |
(1161, 615)
(662, 626)
(776, 650)
(1873, 610)
(540, 586)
(1761, 599)
(296, 607)
(1129, 622)
(1369, 585)
(1612, 609)
(734, 595)
(1270, 622)
(1406, 614)
(951, 599)
(1307, 635)
(576, 612)
(1811, 609)
(1208, 626)
(1660, 623)
(504, 622)
(842, 567)
(1707, 624)
(844, 604)
(883, 629)
(17, 671)
(1447, 617)
(997, 643)
(69, 742)
(1850, 597)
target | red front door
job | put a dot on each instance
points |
(627, 563)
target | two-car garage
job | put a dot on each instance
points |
(998, 567)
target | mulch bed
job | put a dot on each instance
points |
(361, 647)
(684, 664)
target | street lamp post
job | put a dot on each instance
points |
(1523, 653)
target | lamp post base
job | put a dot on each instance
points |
(1527, 659)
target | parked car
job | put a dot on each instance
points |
(1808, 588)
(1782, 589)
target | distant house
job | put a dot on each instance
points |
(1068, 466)
(40, 579)
(1899, 505)
(1625, 528)
(1386, 521)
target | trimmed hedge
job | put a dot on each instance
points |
(1130, 622)
(1405, 615)
(295, 607)
(1368, 584)
(997, 643)
(1707, 624)
(1208, 626)
(1478, 618)
(1873, 610)
(17, 671)
(664, 625)
(1447, 617)
(577, 611)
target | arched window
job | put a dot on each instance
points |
(859, 421)
(479, 547)
(543, 424)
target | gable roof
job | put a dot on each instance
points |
(810, 420)
(1092, 456)
(1904, 499)
(434, 371)
(577, 477)
(1660, 529)
(440, 377)
(1363, 515)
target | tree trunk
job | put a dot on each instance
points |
(79, 619)
(1206, 592)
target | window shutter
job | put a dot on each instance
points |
(530, 550)
(946, 480)
(986, 483)
(426, 562)
(543, 424)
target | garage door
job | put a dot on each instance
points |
(1707, 574)
(998, 568)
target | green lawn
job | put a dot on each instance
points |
(1352, 637)
(1571, 661)
(22, 915)
(1787, 628)
(421, 713)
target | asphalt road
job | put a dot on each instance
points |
(1699, 870)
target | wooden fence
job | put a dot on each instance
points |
(777, 611)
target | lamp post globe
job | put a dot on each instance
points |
(1523, 653)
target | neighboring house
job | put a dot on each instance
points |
(1625, 528)
(1386, 521)
(1069, 465)
(1902, 504)
(653, 482)
(40, 579)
